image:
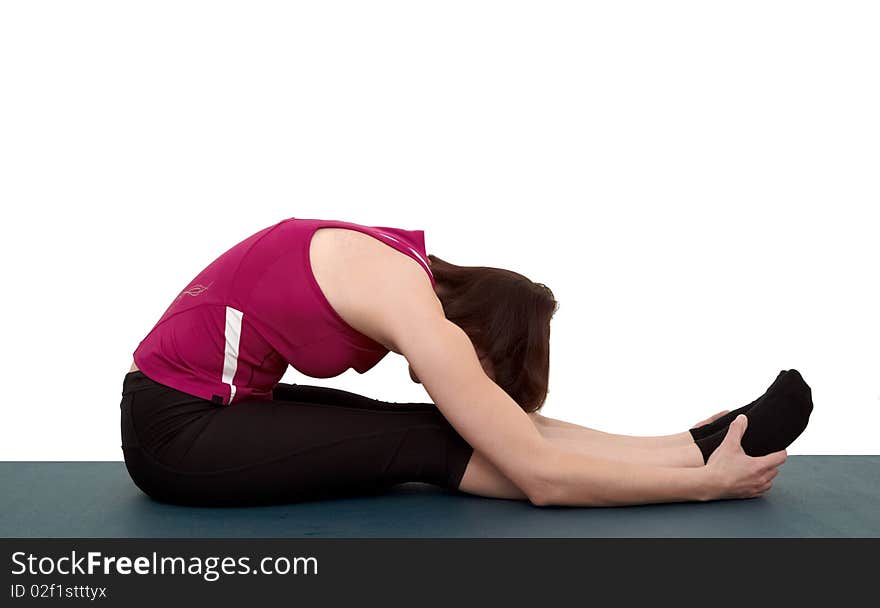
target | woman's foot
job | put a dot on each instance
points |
(775, 420)
(721, 423)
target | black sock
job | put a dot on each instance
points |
(701, 432)
(774, 422)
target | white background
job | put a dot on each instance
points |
(697, 182)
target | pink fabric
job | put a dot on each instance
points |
(285, 318)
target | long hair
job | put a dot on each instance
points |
(507, 317)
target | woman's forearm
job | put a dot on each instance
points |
(552, 427)
(577, 479)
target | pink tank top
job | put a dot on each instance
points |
(231, 333)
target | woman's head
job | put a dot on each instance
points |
(507, 318)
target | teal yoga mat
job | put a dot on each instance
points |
(813, 496)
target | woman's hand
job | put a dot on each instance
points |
(711, 419)
(734, 474)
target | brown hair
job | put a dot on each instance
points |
(507, 318)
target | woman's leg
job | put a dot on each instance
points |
(665, 450)
(567, 430)
(482, 478)
(687, 455)
(325, 396)
(549, 427)
(182, 449)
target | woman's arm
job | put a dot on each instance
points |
(445, 361)
(489, 420)
(386, 295)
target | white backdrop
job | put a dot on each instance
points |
(697, 182)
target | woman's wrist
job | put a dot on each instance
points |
(707, 486)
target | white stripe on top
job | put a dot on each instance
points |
(230, 356)
(416, 253)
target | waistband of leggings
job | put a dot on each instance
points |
(137, 380)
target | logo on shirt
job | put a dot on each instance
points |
(195, 290)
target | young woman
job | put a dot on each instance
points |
(205, 420)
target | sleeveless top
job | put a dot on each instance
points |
(230, 334)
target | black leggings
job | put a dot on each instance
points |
(307, 442)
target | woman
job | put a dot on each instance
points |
(205, 420)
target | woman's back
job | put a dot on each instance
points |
(231, 332)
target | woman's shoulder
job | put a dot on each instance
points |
(368, 282)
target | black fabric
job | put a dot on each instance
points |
(723, 422)
(307, 442)
(775, 421)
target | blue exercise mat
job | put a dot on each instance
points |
(813, 496)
